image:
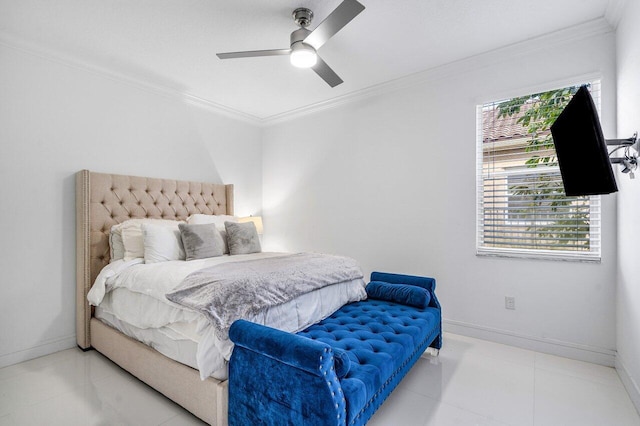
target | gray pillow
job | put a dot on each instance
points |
(201, 241)
(242, 238)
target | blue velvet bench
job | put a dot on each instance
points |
(340, 370)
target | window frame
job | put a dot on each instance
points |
(594, 255)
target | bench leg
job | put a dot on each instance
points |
(433, 352)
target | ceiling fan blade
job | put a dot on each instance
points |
(336, 20)
(252, 53)
(326, 73)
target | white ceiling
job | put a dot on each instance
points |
(172, 43)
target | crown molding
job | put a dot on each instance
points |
(67, 60)
(490, 58)
(507, 53)
(614, 12)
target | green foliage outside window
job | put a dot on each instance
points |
(547, 189)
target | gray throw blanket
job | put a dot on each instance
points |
(239, 290)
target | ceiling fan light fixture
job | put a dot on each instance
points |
(304, 42)
(303, 55)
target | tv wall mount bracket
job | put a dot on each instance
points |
(630, 148)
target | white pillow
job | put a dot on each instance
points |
(162, 243)
(115, 244)
(218, 219)
(131, 231)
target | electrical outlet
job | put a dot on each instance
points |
(509, 302)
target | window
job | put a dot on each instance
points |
(525, 205)
(522, 208)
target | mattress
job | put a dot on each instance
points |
(130, 298)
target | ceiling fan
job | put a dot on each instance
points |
(305, 43)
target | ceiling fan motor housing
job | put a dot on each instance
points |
(299, 35)
(302, 54)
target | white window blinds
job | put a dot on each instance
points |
(522, 208)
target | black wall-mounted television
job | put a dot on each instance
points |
(581, 148)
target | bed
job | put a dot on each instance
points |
(138, 299)
(103, 200)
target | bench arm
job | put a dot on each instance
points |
(281, 378)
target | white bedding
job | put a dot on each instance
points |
(136, 296)
(166, 340)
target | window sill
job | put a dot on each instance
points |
(540, 255)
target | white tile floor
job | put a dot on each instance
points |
(472, 382)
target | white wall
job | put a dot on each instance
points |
(628, 296)
(391, 180)
(387, 179)
(56, 119)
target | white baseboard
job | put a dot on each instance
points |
(576, 351)
(629, 383)
(42, 349)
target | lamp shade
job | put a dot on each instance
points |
(257, 221)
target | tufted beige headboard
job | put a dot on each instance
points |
(103, 200)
